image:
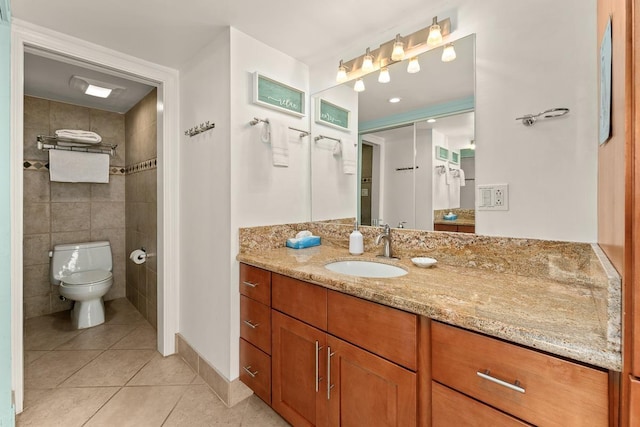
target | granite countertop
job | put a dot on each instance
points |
(576, 320)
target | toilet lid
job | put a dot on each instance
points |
(86, 277)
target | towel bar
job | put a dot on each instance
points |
(51, 143)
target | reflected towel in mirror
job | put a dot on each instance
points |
(349, 157)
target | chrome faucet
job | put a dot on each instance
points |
(386, 236)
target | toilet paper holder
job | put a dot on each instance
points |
(138, 256)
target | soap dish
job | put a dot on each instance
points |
(424, 262)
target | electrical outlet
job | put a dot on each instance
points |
(493, 197)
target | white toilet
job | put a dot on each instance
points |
(83, 272)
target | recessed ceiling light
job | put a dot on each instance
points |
(431, 121)
(394, 100)
(100, 92)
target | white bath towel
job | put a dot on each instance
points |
(461, 176)
(76, 166)
(279, 143)
(349, 157)
(81, 136)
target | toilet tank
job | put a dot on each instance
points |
(75, 257)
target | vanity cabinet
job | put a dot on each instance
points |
(330, 364)
(255, 330)
(538, 388)
(455, 228)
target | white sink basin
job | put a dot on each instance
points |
(365, 269)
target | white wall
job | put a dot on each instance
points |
(228, 181)
(398, 195)
(333, 193)
(205, 289)
(424, 180)
(528, 59)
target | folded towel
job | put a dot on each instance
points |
(76, 166)
(279, 144)
(265, 133)
(349, 157)
(461, 176)
(447, 176)
(81, 136)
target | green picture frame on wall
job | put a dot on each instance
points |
(442, 153)
(330, 114)
(278, 96)
(455, 157)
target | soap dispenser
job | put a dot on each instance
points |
(356, 245)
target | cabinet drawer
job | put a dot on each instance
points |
(552, 391)
(450, 408)
(255, 323)
(385, 331)
(445, 227)
(255, 283)
(300, 300)
(466, 229)
(255, 370)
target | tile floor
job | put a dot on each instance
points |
(111, 375)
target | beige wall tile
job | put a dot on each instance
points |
(36, 306)
(70, 237)
(30, 143)
(36, 249)
(107, 215)
(70, 192)
(36, 186)
(214, 379)
(36, 280)
(70, 216)
(107, 124)
(152, 313)
(36, 113)
(58, 304)
(37, 218)
(67, 116)
(188, 353)
(114, 191)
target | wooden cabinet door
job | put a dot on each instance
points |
(367, 390)
(298, 363)
(634, 404)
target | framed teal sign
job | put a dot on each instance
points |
(332, 115)
(442, 153)
(455, 157)
(278, 96)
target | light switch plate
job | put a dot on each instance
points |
(492, 197)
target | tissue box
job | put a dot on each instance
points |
(450, 217)
(303, 242)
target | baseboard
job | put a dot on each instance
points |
(230, 392)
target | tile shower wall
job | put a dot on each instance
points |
(141, 204)
(57, 212)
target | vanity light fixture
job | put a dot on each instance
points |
(367, 62)
(384, 76)
(341, 77)
(449, 53)
(435, 33)
(359, 86)
(394, 100)
(398, 49)
(414, 65)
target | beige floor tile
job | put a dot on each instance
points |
(99, 337)
(259, 414)
(65, 407)
(111, 368)
(33, 355)
(171, 370)
(121, 312)
(48, 332)
(198, 381)
(54, 367)
(144, 337)
(138, 406)
(199, 406)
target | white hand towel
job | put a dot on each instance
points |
(447, 175)
(461, 176)
(76, 166)
(279, 144)
(82, 136)
(349, 157)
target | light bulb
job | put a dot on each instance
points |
(341, 77)
(449, 53)
(435, 34)
(414, 65)
(472, 144)
(359, 86)
(398, 50)
(367, 62)
(384, 76)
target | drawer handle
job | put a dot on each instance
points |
(250, 324)
(514, 387)
(249, 284)
(248, 370)
(318, 377)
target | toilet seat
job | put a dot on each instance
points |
(87, 278)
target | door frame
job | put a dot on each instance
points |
(25, 35)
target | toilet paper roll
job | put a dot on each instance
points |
(138, 256)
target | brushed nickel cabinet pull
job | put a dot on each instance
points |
(514, 387)
(251, 285)
(251, 324)
(318, 348)
(329, 385)
(248, 370)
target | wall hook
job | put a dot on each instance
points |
(530, 119)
